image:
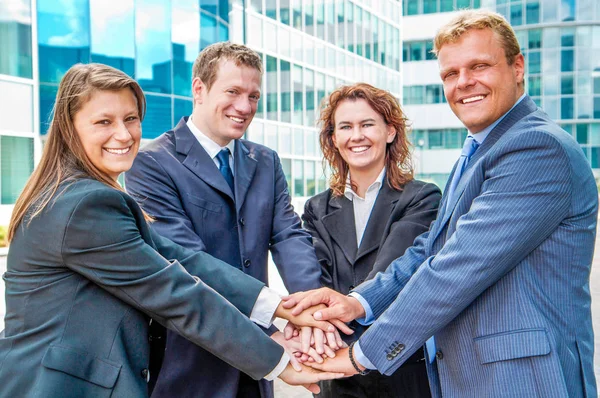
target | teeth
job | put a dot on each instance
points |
(359, 149)
(236, 119)
(472, 99)
(117, 151)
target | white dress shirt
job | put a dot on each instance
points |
(363, 206)
(263, 312)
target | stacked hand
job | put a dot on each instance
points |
(311, 335)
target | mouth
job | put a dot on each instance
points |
(359, 149)
(237, 120)
(470, 100)
(118, 151)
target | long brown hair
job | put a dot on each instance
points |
(397, 153)
(64, 159)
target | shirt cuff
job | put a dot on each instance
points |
(361, 358)
(285, 359)
(369, 318)
(263, 312)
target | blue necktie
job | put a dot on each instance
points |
(224, 168)
(468, 149)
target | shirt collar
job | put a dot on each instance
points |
(211, 147)
(375, 186)
(482, 135)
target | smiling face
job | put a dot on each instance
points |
(361, 136)
(479, 84)
(109, 128)
(224, 112)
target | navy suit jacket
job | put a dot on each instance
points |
(176, 181)
(502, 277)
(83, 279)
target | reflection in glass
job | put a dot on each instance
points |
(181, 108)
(208, 30)
(309, 171)
(271, 136)
(110, 19)
(286, 89)
(47, 98)
(153, 45)
(158, 116)
(185, 36)
(298, 175)
(15, 38)
(286, 165)
(309, 86)
(298, 97)
(63, 36)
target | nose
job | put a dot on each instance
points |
(465, 79)
(122, 132)
(243, 105)
(357, 134)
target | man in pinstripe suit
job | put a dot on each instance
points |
(501, 280)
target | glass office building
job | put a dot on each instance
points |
(308, 47)
(561, 43)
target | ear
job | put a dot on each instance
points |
(519, 67)
(198, 90)
(391, 133)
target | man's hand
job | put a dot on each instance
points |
(340, 364)
(307, 377)
(339, 306)
(305, 318)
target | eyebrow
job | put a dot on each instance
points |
(362, 121)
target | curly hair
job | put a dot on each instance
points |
(398, 165)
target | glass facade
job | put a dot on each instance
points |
(560, 40)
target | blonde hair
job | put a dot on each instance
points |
(479, 19)
(397, 153)
(206, 64)
(63, 158)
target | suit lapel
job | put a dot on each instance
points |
(383, 207)
(523, 109)
(197, 160)
(339, 222)
(245, 168)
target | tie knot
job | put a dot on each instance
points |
(469, 147)
(223, 157)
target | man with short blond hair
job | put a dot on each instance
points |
(501, 280)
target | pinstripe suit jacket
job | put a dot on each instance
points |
(502, 277)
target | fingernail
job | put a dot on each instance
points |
(317, 315)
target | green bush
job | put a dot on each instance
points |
(3, 236)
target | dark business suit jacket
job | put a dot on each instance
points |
(83, 278)
(176, 181)
(396, 219)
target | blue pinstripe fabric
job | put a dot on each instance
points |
(502, 277)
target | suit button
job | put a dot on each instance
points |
(439, 354)
(242, 222)
(247, 262)
(146, 375)
(389, 357)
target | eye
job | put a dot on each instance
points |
(345, 127)
(104, 122)
(368, 125)
(449, 75)
(232, 91)
(255, 97)
(480, 66)
(131, 118)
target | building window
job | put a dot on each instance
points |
(15, 38)
(16, 165)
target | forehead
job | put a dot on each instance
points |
(475, 43)
(110, 98)
(355, 109)
(228, 73)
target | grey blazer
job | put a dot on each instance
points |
(502, 277)
(83, 279)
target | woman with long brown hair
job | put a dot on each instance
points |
(369, 216)
(85, 272)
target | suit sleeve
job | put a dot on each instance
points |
(291, 246)
(523, 199)
(415, 220)
(154, 190)
(239, 289)
(102, 242)
(324, 255)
